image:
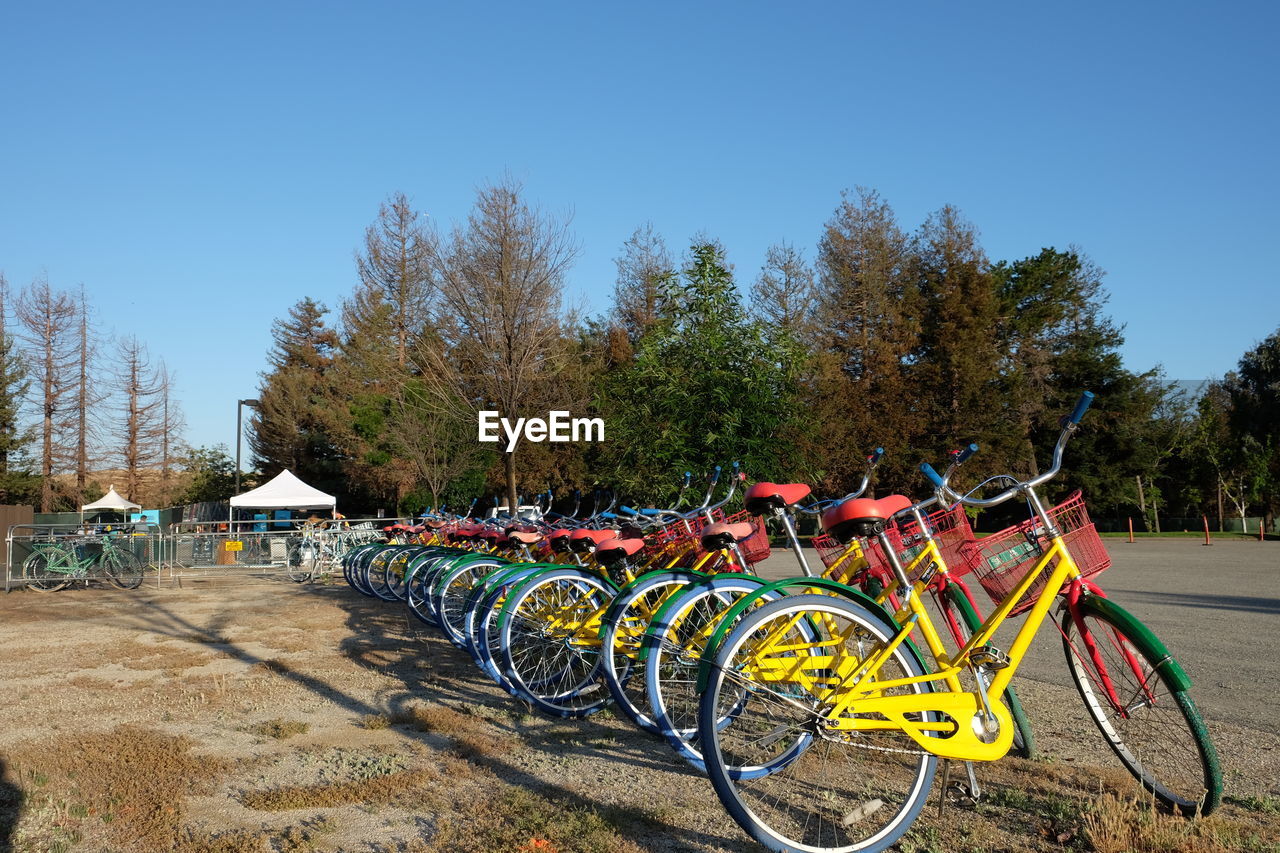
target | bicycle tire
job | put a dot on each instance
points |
(123, 568)
(301, 561)
(38, 569)
(484, 605)
(546, 652)
(451, 591)
(1162, 743)
(968, 621)
(375, 575)
(623, 636)
(420, 575)
(673, 650)
(783, 777)
(393, 574)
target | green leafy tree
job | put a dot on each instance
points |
(212, 475)
(16, 480)
(957, 365)
(1255, 400)
(708, 386)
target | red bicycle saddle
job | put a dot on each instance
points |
(862, 516)
(762, 497)
(585, 540)
(722, 534)
(613, 550)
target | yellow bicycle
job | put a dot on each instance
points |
(822, 724)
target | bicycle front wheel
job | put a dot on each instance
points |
(783, 772)
(1146, 716)
(302, 558)
(550, 643)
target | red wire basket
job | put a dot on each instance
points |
(755, 548)
(951, 531)
(1000, 561)
(829, 549)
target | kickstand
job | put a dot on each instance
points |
(958, 792)
(942, 792)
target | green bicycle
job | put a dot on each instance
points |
(54, 564)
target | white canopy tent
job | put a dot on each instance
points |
(285, 491)
(111, 501)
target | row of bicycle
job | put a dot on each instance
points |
(819, 705)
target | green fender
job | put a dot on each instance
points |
(612, 612)
(466, 560)
(500, 574)
(505, 614)
(821, 584)
(671, 602)
(1141, 635)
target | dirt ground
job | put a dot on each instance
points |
(263, 716)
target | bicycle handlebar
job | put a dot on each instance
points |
(1069, 426)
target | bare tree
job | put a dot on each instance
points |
(88, 396)
(139, 431)
(48, 319)
(500, 279)
(783, 293)
(643, 268)
(172, 446)
(395, 272)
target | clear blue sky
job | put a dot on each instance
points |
(200, 168)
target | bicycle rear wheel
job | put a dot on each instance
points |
(123, 568)
(41, 575)
(783, 773)
(302, 558)
(1144, 713)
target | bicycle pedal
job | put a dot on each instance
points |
(988, 657)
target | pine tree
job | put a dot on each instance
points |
(868, 326)
(14, 384)
(299, 410)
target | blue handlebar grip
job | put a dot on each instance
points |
(688, 477)
(928, 471)
(874, 458)
(628, 510)
(1081, 407)
(607, 515)
(651, 512)
(966, 452)
(715, 475)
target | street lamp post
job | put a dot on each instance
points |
(240, 404)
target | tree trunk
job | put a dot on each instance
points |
(1220, 508)
(511, 483)
(1142, 500)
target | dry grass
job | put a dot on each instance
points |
(469, 734)
(408, 787)
(126, 785)
(279, 728)
(519, 819)
(1119, 825)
